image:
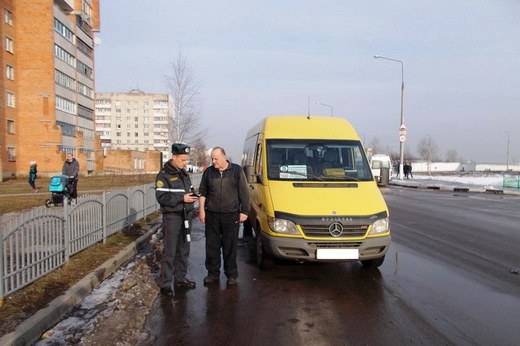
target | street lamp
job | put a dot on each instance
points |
(326, 105)
(402, 127)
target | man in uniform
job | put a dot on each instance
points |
(174, 194)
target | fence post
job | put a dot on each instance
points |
(2, 230)
(127, 206)
(104, 215)
(66, 227)
(145, 209)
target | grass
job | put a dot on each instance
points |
(26, 302)
(25, 199)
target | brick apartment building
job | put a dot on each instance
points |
(47, 85)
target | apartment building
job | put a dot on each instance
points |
(135, 120)
(47, 88)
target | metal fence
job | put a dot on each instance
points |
(36, 242)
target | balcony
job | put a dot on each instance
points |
(65, 5)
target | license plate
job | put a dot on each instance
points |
(337, 254)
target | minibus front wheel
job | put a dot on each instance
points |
(263, 259)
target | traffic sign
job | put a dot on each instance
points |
(402, 138)
(402, 131)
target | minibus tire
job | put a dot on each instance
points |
(373, 263)
(263, 259)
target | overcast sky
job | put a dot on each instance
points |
(270, 57)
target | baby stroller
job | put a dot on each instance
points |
(60, 186)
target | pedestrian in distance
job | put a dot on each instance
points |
(33, 174)
(410, 170)
(223, 205)
(175, 194)
(406, 169)
(71, 170)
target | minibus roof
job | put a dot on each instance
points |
(303, 126)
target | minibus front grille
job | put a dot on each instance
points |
(322, 231)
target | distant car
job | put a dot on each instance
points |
(379, 162)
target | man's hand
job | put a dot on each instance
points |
(190, 198)
(242, 217)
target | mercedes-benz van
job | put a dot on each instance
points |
(313, 196)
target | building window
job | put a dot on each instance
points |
(10, 126)
(8, 16)
(10, 99)
(67, 129)
(62, 54)
(87, 8)
(9, 44)
(66, 105)
(11, 153)
(82, 46)
(9, 72)
(60, 28)
(85, 90)
(64, 80)
(85, 112)
(84, 69)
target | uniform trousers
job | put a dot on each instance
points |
(174, 263)
(222, 232)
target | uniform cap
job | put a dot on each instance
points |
(180, 149)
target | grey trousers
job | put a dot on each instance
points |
(174, 263)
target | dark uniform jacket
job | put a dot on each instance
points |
(171, 184)
(225, 191)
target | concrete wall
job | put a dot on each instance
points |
(440, 167)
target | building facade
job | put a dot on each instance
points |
(47, 84)
(135, 121)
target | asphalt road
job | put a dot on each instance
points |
(450, 278)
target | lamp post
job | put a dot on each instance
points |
(326, 105)
(402, 138)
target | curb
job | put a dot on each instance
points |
(32, 329)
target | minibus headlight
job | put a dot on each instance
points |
(380, 226)
(282, 226)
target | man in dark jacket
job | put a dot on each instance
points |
(173, 191)
(223, 205)
(71, 170)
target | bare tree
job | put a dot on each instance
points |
(199, 156)
(184, 89)
(453, 156)
(427, 149)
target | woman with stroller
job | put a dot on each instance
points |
(71, 170)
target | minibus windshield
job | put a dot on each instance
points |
(323, 160)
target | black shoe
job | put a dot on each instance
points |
(185, 284)
(210, 279)
(166, 291)
(231, 282)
